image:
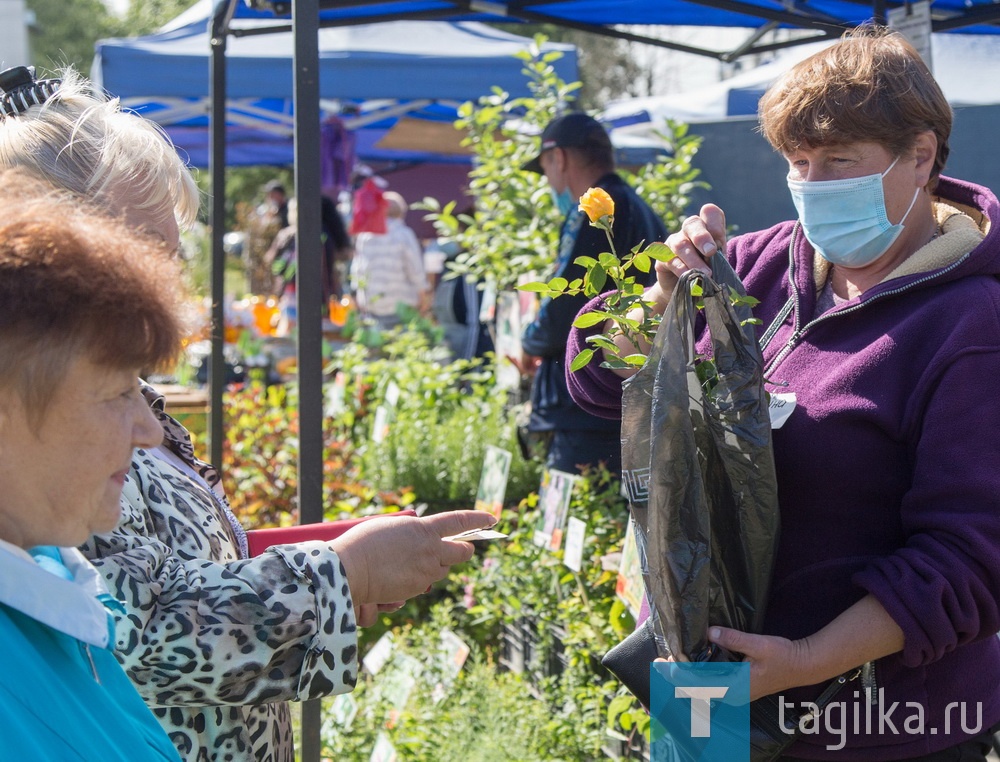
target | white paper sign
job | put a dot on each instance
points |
(398, 681)
(508, 339)
(553, 499)
(343, 710)
(576, 533)
(476, 534)
(629, 586)
(391, 394)
(384, 751)
(380, 424)
(453, 652)
(336, 394)
(488, 302)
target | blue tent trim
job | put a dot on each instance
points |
(828, 18)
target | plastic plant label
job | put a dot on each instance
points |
(629, 585)
(379, 654)
(554, 498)
(392, 394)
(576, 532)
(380, 425)
(493, 480)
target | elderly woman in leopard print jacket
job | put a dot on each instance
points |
(215, 642)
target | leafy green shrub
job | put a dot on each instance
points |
(577, 612)
(514, 226)
(564, 706)
(512, 230)
(438, 429)
(484, 716)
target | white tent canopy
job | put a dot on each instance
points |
(966, 66)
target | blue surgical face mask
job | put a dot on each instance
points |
(563, 200)
(846, 220)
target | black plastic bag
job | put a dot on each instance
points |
(700, 472)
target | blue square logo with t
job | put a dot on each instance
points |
(700, 712)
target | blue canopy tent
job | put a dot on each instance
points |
(369, 75)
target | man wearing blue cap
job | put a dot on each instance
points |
(575, 155)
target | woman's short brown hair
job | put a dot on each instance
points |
(76, 283)
(869, 86)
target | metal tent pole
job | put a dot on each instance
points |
(309, 296)
(217, 170)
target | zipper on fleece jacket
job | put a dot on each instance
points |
(869, 684)
(793, 304)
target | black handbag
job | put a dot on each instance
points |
(629, 661)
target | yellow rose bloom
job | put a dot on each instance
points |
(597, 204)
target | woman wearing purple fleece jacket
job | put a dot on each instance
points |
(880, 311)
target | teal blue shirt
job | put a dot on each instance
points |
(65, 698)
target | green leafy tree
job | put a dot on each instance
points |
(146, 16)
(667, 184)
(64, 33)
(514, 227)
(609, 68)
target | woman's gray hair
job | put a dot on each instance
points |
(86, 144)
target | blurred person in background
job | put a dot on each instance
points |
(388, 269)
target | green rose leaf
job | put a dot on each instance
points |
(558, 284)
(607, 260)
(602, 342)
(581, 360)
(596, 279)
(588, 319)
(660, 252)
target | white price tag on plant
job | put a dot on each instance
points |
(780, 408)
(576, 533)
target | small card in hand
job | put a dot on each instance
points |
(476, 534)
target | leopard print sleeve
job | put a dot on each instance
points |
(204, 627)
